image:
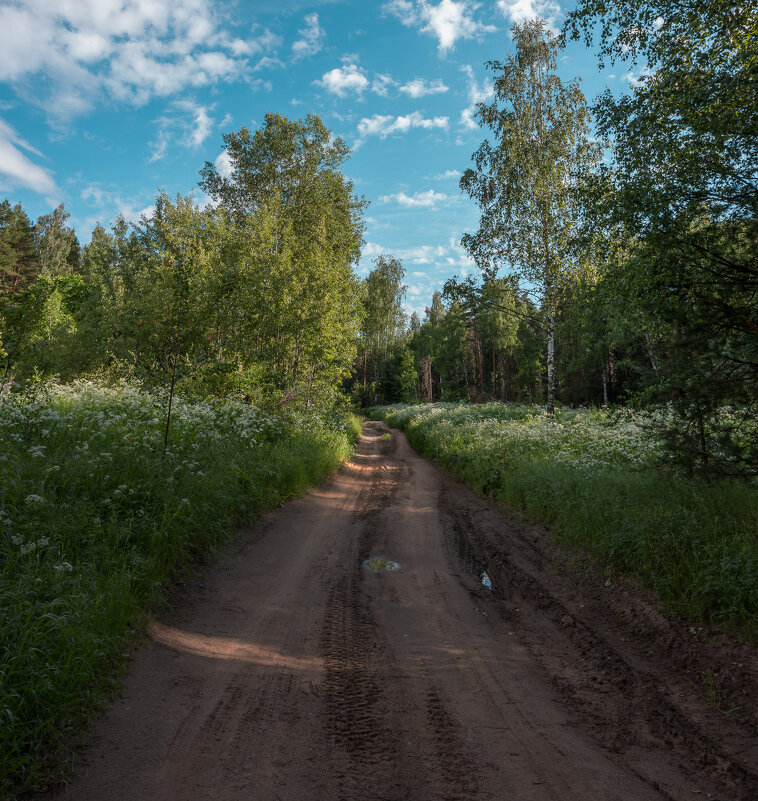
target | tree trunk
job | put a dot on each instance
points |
(427, 388)
(168, 414)
(605, 385)
(653, 362)
(551, 363)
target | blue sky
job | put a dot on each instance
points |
(104, 102)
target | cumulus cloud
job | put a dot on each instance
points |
(420, 87)
(428, 199)
(130, 50)
(311, 38)
(342, 80)
(21, 170)
(520, 10)
(352, 78)
(447, 21)
(477, 93)
(385, 125)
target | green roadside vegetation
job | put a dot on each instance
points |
(598, 479)
(94, 521)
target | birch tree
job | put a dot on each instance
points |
(525, 181)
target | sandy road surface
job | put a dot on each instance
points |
(293, 672)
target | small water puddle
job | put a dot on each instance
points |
(379, 564)
(485, 579)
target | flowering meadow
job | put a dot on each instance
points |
(94, 518)
(598, 479)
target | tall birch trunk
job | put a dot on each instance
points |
(551, 363)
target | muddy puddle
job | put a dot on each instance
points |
(380, 564)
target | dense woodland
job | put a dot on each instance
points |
(617, 248)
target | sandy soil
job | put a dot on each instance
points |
(291, 671)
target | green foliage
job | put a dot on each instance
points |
(599, 481)
(384, 370)
(301, 228)
(56, 244)
(255, 296)
(19, 263)
(94, 521)
(682, 192)
(526, 182)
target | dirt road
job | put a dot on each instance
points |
(292, 671)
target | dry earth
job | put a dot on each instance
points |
(291, 671)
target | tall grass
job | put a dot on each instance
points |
(597, 479)
(94, 520)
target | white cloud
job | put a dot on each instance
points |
(521, 10)
(444, 176)
(223, 164)
(385, 125)
(352, 78)
(382, 84)
(477, 93)
(264, 42)
(420, 87)
(428, 199)
(311, 40)
(447, 21)
(341, 80)
(202, 123)
(636, 80)
(189, 130)
(421, 254)
(268, 63)
(130, 50)
(18, 167)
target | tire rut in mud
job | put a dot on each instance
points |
(373, 712)
(625, 706)
(362, 741)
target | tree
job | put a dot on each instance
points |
(168, 316)
(683, 187)
(526, 182)
(286, 187)
(56, 243)
(18, 260)
(383, 325)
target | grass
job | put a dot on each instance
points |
(93, 522)
(598, 480)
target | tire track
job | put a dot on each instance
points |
(627, 704)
